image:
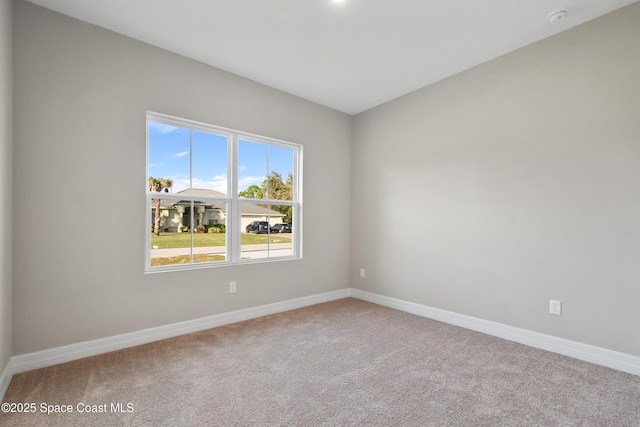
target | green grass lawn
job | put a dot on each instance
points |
(185, 259)
(183, 240)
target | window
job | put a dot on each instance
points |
(217, 196)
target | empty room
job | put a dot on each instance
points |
(319, 212)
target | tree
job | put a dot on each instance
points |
(158, 185)
(252, 192)
(274, 188)
(278, 189)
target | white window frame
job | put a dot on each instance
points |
(233, 201)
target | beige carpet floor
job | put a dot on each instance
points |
(342, 363)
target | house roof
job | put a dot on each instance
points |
(247, 209)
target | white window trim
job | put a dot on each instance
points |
(234, 215)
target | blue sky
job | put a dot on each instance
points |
(170, 153)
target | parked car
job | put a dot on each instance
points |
(281, 228)
(258, 227)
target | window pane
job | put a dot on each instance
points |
(169, 154)
(209, 238)
(281, 218)
(209, 162)
(255, 230)
(280, 181)
(171, 244)
(259, 238)
(252, 169)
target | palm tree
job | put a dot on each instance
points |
(158, 185)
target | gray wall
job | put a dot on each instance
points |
(81, 93)
(486, 194)
(6, 173)
(512, 183)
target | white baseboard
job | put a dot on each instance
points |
(67, 353)
(5, 378)
(597, 355)
(41, 359)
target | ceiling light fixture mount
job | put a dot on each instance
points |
(557, 15)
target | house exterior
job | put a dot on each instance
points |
(176, 214)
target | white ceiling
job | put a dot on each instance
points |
(349, 56)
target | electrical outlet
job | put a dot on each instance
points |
(232, 287)
(362, 272)
(555, 307)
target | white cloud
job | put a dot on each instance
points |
(249, 180)
(179, 184)
(218, 183)
(161, 128)
(181, 154)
